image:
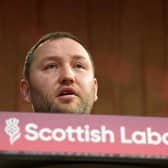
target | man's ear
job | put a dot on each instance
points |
(96, 89)
(25, 90)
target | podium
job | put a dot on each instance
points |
(41, 140)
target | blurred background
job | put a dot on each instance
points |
(127, 38)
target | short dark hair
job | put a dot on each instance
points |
(49, 36)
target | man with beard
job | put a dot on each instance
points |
(59, 75)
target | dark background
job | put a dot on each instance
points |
(127, 38)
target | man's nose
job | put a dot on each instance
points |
(67, 75)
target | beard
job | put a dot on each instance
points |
(49, 103)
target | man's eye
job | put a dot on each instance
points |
(51, 66)
(79, 66)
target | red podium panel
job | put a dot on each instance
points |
(91, 139)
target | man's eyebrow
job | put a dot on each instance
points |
(58, 58)
(79, 57)
(48, 58)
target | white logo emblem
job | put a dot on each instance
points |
(12, 129)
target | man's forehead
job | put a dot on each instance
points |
(61, 42)
(59, 47)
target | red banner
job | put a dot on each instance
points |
(84, 134)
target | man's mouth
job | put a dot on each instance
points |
(66, 93)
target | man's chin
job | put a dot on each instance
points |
(66, 108)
